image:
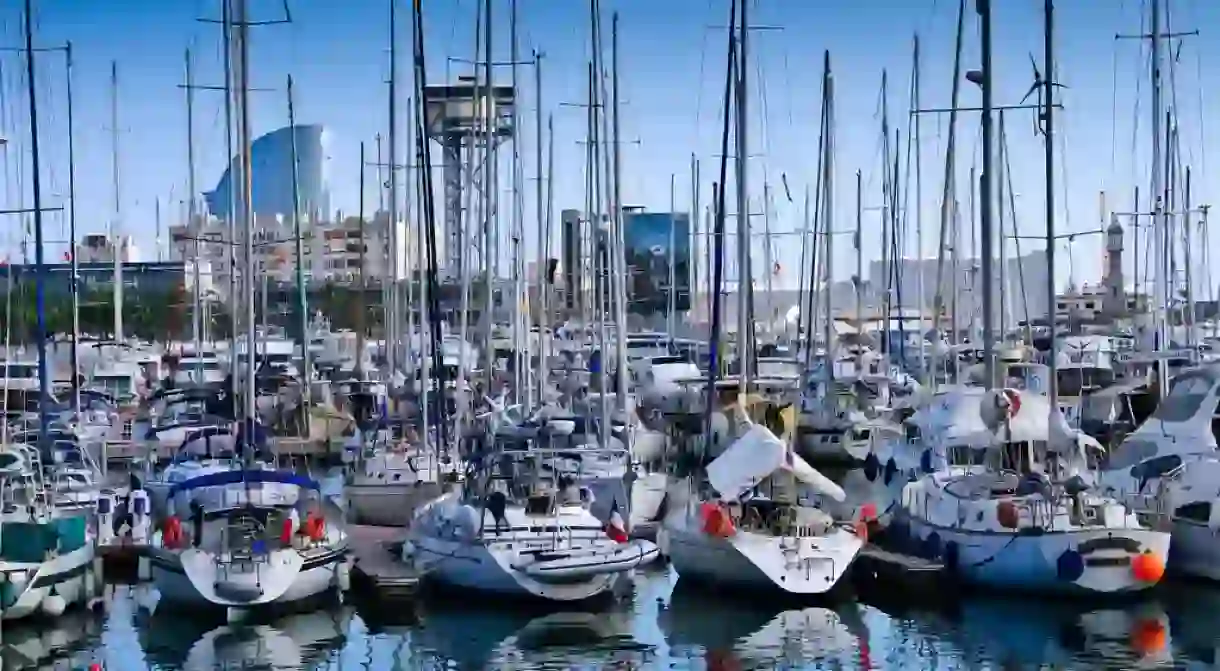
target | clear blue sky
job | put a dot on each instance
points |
(672, 74)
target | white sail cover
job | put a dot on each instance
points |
(755, 456)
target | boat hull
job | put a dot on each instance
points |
(1031, 562)
(387, 505)
(68, 576)
(474, 566)
(191, 578)
(753, 562)
(1195, 550)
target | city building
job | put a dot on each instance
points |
(96, 248)
(271, 175)
(331, 250)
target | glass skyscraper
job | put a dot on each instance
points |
(271, 175)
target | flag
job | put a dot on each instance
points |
(616, 529)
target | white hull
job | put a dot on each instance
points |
(387, 505)
(1006, 560)
(748, 561)
(475, 566)
(191, 577)
(69, 576)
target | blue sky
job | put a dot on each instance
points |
(672, 74)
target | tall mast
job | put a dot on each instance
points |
(196, 313)
(72, 237)
(44, 382)
(541, 264)
(360, 325)
(116, 231)
(1048, 138)
(986, 231)
(618, 252)
(1160, 297)
(489, 173)
(243, 108)
(828, 213)
(299, 247)
(919, 279)
(391, 325)
(231, 219)
(745, 326)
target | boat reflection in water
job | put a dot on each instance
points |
(1023, 633)
(38, 644)
(512, 638)
(732, 634)
(295, 641)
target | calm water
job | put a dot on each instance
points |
(660, 626)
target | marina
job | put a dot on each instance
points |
(451, 427)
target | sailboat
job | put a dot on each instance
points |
(1029, 516)
(520, 528)
(46, 554)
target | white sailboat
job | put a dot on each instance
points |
(732, 535)
(1027, 517)
(523, 532)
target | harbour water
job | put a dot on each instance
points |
(662, 624)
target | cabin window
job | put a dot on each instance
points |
(1198, 511)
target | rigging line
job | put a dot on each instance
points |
(703, 34)
(1173, 74)
(1012, 213)
(1139, 85)
(1114, 110)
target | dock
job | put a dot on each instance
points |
(378, 571)
(879, 570)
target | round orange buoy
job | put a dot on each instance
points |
(1147, 567)
(1007, 515)
(1148, 636)
(722, 660)
(861, 530)
(868, 512)
(95, 667)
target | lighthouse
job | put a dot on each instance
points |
(1114, 304)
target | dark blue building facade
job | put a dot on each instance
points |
(271, 175)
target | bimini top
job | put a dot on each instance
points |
(239, 477)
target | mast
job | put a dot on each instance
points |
(1160, 294)
(488, 200)
(360, 309)
(299, 248)
(227, 33)
(859, 270)
(196, 312)
(243, 109)
(919, 279)
(116, 242)
(1048, 139)
(986, 230)
(541, 264)
(75, 264)
(40, 269)
(391, 325)
(619, 253)
(745, 326)
(828, 210)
